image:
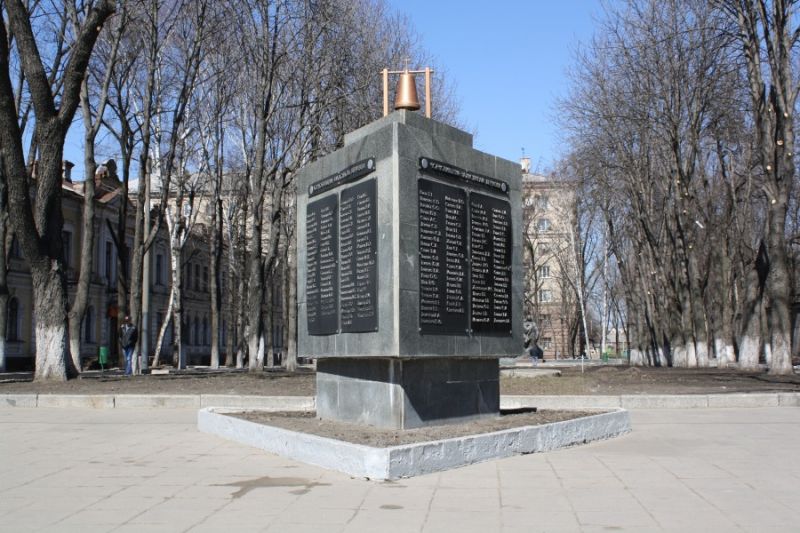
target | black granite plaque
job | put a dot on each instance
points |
(322, 274)
(490, 278)
(358, 258)
(353, 172)
(473, 179)
(442, 258)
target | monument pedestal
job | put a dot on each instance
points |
(407, 393)
(409, 274)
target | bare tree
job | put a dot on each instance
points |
(91, 115)
(768, 35)
(4, 236)
(38, 222)
(659, 131)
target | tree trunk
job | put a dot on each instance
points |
(750, 338)
(50, 305)
(779, 290)
(255, 285)
(135, 267)
(38, 223)
(4, 237)
(269, 321)
(290, 296)
(214, 271)
(78, 311)
(163, 330)
(177, 306)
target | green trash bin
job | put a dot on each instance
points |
(102, 356)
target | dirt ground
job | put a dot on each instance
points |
(603, 380)
(594, 381)
(370, 436)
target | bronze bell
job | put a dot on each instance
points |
(406, 92)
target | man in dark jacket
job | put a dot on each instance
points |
(128, 337)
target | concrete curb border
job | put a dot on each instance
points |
(412, 459)
(307, 403)
(156, 401)
(655, 401)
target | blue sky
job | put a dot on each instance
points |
(508, 59)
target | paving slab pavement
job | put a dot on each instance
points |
(150, 470)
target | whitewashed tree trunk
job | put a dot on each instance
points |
(661, 357)
(679, 355)
(291, 309)
(719, 352)
(256, 356)
(162, 332)
(177, 304)
(50, 306)
(691, 354)
(701, 353)
(604, 317)
(749, 351)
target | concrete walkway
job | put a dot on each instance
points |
(125, 470)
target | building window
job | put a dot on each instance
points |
(223, 337)
(195, 331)
(126, 267)
(188, 276)
(544, 271)
(205, 279)
(66, 242)
(109, 258)
(546, 343)
(159, 269)
(545, 296)
(12, 322)
(543, 224)
(16, 251)
(159, 323)
(88, 325)
(543, 202)
(197, 278)
(206, 341)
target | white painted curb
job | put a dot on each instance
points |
(412, 459)
(307, 403)
(17, 400)
(655, 401)
(271, 403)
(153, 401)
(92, 401)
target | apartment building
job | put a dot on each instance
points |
(549, 306)
(100, 327)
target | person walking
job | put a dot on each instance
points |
(128, 337)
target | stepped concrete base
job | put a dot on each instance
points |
(412, 459)
(400, 393)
